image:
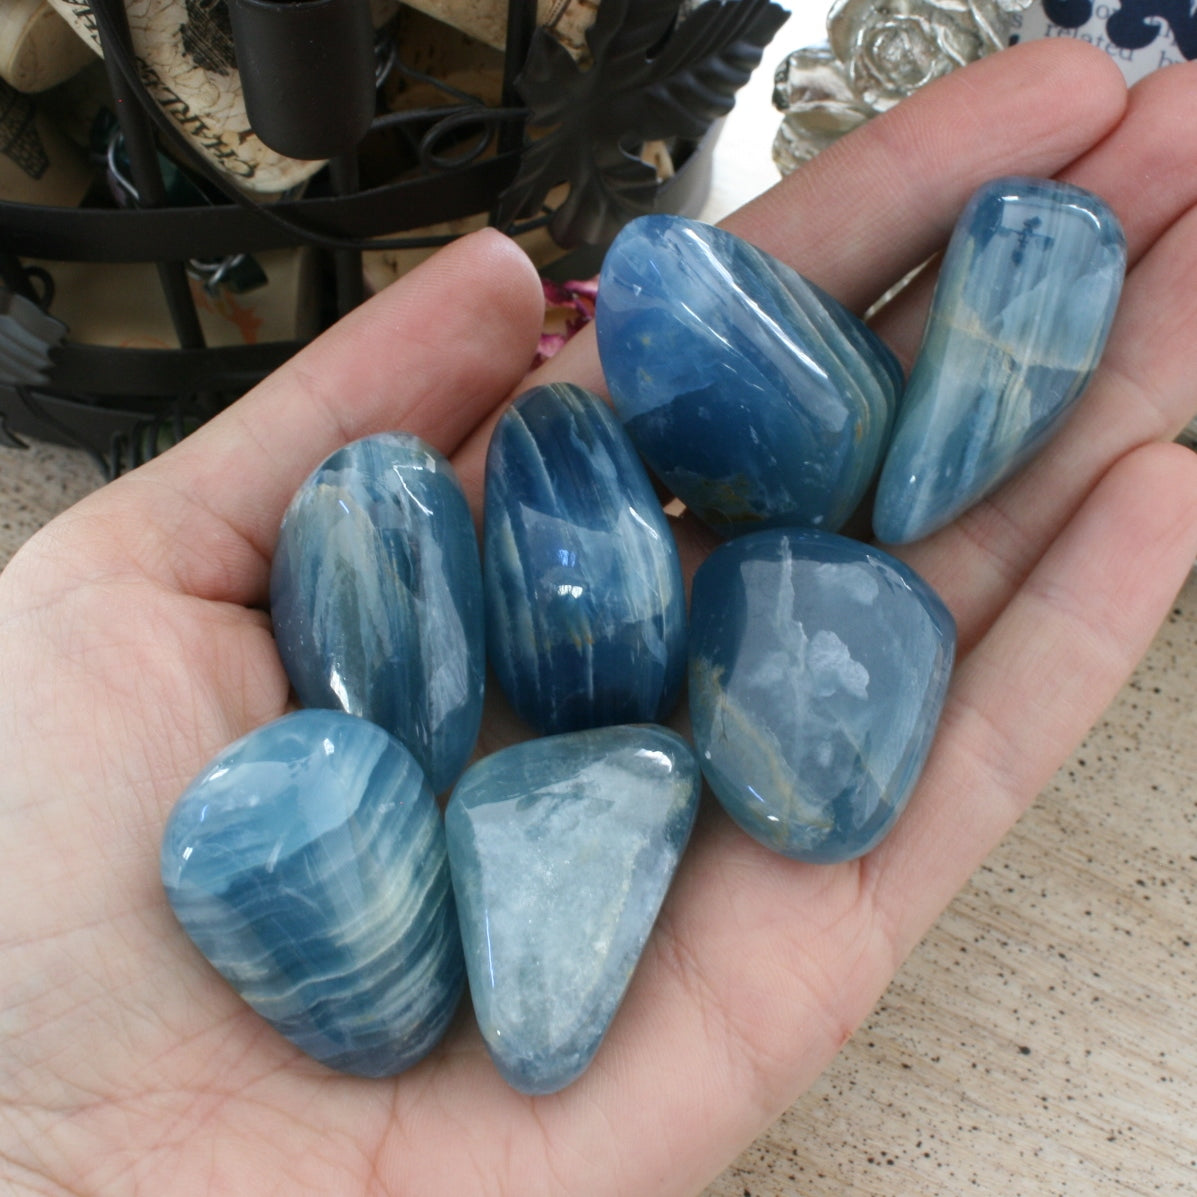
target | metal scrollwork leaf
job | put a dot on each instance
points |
(652, 76)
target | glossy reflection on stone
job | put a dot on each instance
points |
(307, 862)
(1024, 303)
(584, 597)
(756, 398)
(818, 670)
(562, 850)
(376, 598)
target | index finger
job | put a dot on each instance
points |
(430, 355)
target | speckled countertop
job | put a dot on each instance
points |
(1042, 1040)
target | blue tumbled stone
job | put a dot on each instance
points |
(1024, 303)
(562, 850)
(376, 598)
(818, 670)
(756, 398)
(585, 606)
(307, 862)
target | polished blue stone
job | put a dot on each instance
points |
(585, 606)
(376, 598)
(818, 670)
(307, 862)
(1025, 299)
(756, 398)
(562, 850)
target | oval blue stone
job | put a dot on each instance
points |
(307, 862)
(757, 398)
(818, 670)
(562, 850)
(1025, 299)
(585, 607)
(376, 598)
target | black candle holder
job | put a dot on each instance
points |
(657, 70)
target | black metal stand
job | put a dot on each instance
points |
(557, 122)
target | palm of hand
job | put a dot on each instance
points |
(133, 645)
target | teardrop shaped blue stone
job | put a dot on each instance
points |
(1024, 303)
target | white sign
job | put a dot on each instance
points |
(1139, 35)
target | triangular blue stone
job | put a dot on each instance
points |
(561, 851)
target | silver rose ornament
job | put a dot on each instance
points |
(894, 47)
(878, 52)
(813, 86)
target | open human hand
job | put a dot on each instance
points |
(134, 645)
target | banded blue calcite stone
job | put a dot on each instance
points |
(376, 598)
(818, 670)
(585, 606)
(307, 863)
(758, 399)
(1025, 299)
(562, 850)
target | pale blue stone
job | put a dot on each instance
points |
(376, 598)
(1024, 303)
(307, 862)
(562, 850)
(586, 610)
(758, 399)
(818, 670)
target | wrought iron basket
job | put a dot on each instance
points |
(562, 152)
